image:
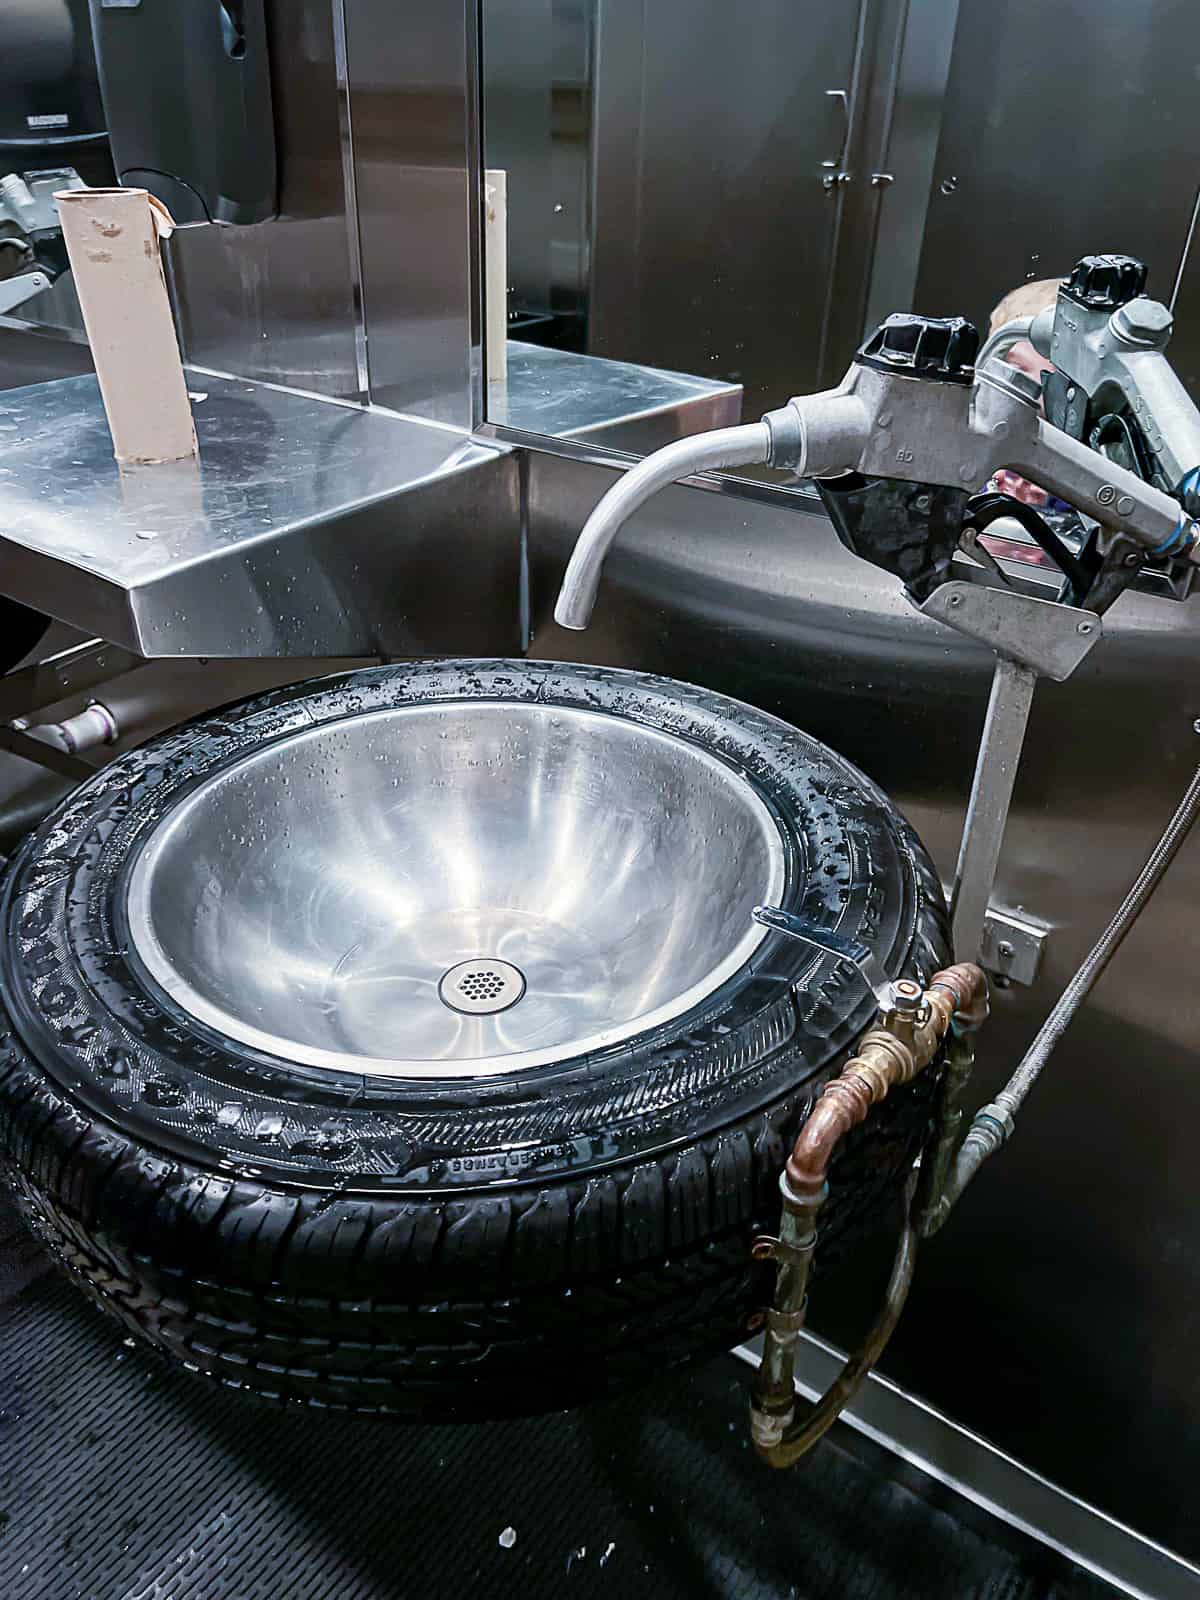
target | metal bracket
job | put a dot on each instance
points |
(991, 795)
(1050, 638)
(1012, 946)
(72, 671)
(1031, 638)
(850, 951)
(28, 689)
(15, 291)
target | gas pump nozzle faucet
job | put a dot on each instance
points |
(898, 451)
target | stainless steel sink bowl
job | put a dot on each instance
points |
(458, 889)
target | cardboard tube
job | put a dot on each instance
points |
(495, 257)
(113, 241)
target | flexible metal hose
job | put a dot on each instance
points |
(994, 1124)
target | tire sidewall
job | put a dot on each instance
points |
(104, 1033)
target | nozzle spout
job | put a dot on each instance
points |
(723, 447)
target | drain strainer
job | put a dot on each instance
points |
(480, 986)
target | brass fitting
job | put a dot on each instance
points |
(889, 1054)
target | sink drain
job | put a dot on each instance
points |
(481, 986)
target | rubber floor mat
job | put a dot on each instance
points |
(123, 1480)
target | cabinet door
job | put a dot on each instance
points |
(720, 131)
(1066, 130)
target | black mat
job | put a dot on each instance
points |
(121, 1480)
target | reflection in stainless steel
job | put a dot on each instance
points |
(34, 355)
(411, 105)
(614, 403)
(276, 301)
(538, 60)
(1030, 208)
(305, 528)
(714, 245)
(309, 900)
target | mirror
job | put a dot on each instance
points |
(708, 205)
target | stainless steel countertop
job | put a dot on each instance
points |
(286, 488)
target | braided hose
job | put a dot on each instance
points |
(993, 1125)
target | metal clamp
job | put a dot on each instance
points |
(1050, 638)
(851, 951)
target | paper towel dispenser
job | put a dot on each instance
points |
(187, 94)
(48, 90)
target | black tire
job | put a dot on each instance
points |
(461, 1248)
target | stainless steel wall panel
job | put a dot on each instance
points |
(1066, 130)
(412, 111)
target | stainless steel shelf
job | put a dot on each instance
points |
(305, 527)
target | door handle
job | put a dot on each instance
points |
(835, 171)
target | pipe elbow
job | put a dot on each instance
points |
(885, 1059)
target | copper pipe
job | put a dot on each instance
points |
(904, 1042)
(888, 1056)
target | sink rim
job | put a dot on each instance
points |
(157, 969)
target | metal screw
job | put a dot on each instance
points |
(949, 185)
(954, 600)
(1071, 392)
(922, 502)
(1006, 949)
(1133, 559)
(1196, 725)
(1083, 627)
